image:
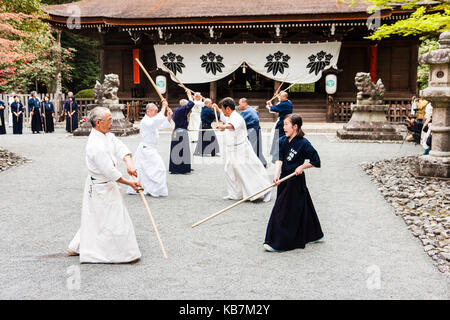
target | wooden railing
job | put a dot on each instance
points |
(397, 112)
(23, 98)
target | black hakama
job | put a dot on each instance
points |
(180, 154)
(74, 120)
(49, 124)
(48, 110)
(255, 138)
(17, 107)
(71, 122)
(2, 118)
(36, 124)
(207, 144)
(294, 221)
(34, 108)
(17, 124)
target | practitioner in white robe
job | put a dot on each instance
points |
(106, 234)
(150, 166)
(195, 117)
(244, 172)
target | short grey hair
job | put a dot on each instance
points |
(151, 106)
(197, 94)
(98, 113)
(33, 93)
(207, 101)
(183, 102)
(283, 94)
(243, 100)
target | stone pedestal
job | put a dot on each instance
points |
(120, 125)
(368, 122)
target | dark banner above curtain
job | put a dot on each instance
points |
(291, 63)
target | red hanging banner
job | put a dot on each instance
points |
(136, 70)
(373, 62)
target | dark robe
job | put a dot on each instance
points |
(17, 121)
(207, 140)
(2, 118)
(48, 109)
(284, 108)
(294, 222)
(251, 118)
(180, 153)
(34, 106)
(74, 119)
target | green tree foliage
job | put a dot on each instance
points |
(86, 64)
(36, 58)
(428, 17)
(423, 71)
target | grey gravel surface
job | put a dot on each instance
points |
(368, 254)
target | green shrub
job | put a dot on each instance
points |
(86, 93)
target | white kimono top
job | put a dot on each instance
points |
(102, 154)
(150, 127)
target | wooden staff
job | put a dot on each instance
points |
(241, 201)
(151, 80)
(178, 80)
(43, 113)
(153, 222)
(71, 115)
(202, 130)
(292, 84)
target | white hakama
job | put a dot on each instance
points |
(150, 166)
(106, 234)
(195, 119)
(244, 172)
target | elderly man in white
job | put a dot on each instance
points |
(195, 117)
(149, 164)
(106, 234)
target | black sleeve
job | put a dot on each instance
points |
(312, 155)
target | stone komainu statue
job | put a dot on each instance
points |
(369, 93)
(106, 93)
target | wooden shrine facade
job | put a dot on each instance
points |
(132, 34)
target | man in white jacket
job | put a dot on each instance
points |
(106, 234)
(150, 166)
(244, 172)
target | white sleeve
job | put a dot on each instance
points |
(428, 111)
(120, 149)
(236, 122)
(161, 121)
(222, 117)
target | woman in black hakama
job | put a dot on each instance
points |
(34, 108)
(71, 110)
(48, 111)
(293, 222)
(17, 115)
(207, 144)
(2, 118)
(180, 154)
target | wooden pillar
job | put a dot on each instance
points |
(373, 62)
(58, 91)
(213, 91)
(276, 84)
(330, 108)
(102, 56)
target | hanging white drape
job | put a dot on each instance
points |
(291, 63)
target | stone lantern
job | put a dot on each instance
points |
(106, 96)
(437, 163)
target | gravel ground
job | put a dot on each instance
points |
(424, 204)
(368, 254)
